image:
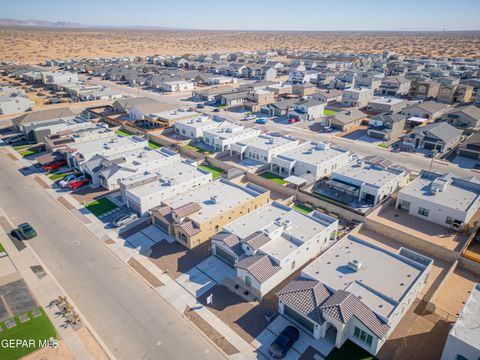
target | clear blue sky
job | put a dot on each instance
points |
(256, 14)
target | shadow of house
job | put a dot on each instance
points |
(426, 345)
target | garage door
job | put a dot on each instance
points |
(468, 154)
(225, 256)
(161, 224)
(308, 325)
(428, 145)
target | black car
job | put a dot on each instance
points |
(216, 110)
(284, 342)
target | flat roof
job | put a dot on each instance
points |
(287, 228)
(174, 174)
(458, 194)
(228, 196)
(467, 326)
(199, 122)
(367, 173)
(313, 153)
(267, 142)
(229, 130)
(383, 279)
(109, 146)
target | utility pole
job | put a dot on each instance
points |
(434, 153)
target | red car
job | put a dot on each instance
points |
(292, 120)
(54, 165)
(75, 184)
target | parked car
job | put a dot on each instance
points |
(261, 121)
(125, 219)
(54, 165)
(216, 110)
(200, 106)
(327, 129)
(76, 184)
(69, 178)
(292, 120)
(250, 117)
(24, 231)
(16, 139)
(284, 342)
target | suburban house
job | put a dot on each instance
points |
(366, 182)
(441, 198)
(78, 123)
(212, 94)
(194, 216)
(439, 136)
(79, 153)
(106, 171)
(280, 89)
(302, 76)
(430, 110)
(14, 103)
(462, 341)
(307, 110)
(147, 109)
(176, 85)
(470, 148)
(395, 86)
(357, 97)
(280, 108)
(145, 191)
(346, 120)
(328, 95)
(28, 122)
(235, 98)
(125, 104)
(193, 128)
(452, 94)
(423, 90)
(272, 242)
(61, 139)
(303, 90)
(263, 147)
(386, 126)
(386, 104)
(54, 79)
(315, 159)
(222, 137)
(465, 117)
(355, 291)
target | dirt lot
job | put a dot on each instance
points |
(209, 331)
(176, 259)
(32, 45)
(455, 291)
(416, 337)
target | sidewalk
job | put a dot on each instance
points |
(45, 290)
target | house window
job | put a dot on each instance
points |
(248, 281)
(293, 265)
(363, 336)
(450, 220)
(423, 211)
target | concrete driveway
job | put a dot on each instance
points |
(145, 239)
(216, 269)
(201, 278)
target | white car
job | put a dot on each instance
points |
(67, 179)
(250, 117)
(125, 219)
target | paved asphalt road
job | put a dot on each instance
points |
(129, 317)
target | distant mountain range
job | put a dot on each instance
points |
(43, 23)
(66, 24)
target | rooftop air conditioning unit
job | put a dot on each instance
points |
(214, 199)
(434, 190)
(354, 265)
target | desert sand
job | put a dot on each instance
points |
(34, 45)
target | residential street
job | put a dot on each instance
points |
(131, 319)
